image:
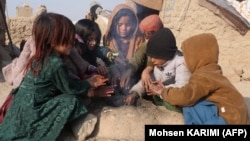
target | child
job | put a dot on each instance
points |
(168, 64)
(148, 26)
(122, 37)
(88, 35)
(208, 97)
(47, 98)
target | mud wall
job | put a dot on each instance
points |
(187, 18)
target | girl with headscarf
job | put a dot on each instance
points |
(122, 36)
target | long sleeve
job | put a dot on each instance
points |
(140, 58)
(138, 88)
(197, 88)
(80, 63)
(101, 52)
(14, 72)
(69, 85)
(173, 73)
(181, 77)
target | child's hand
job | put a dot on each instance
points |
(145, 77)
(104, 91)
(97, 80)
(131, 99)
(102, 70)
(155, 88)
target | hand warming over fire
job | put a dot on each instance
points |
(97, 80)
(155, 88)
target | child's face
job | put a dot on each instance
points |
(91, 41)
(124, 26)
(158, 62)
(63, 49)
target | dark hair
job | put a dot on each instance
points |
(49, 30)
(117, 17)
(85, 27)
